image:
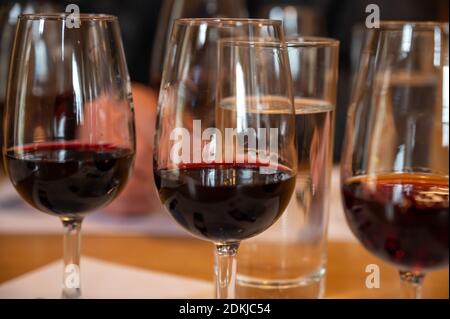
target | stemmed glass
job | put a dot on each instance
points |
(394, 171)
(69, 122)
(225, 159)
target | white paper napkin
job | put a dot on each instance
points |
(106, 280)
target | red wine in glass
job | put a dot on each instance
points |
(69, 134)
(401, 217)
(69, 179)
(225, 202)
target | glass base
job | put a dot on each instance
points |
(306, 287)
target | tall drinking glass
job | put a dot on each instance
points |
(225, 162)
(289, 259)
(394, 172)
(69, 123)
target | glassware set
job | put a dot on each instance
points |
(245, 120)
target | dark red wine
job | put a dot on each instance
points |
(71, 178)
(402, 218)
(225, 202)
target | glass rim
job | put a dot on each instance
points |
(400, 24)
(252, 42)
(63, 16)
(310, 41)
(226, 21)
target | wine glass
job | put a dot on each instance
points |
(174, 9)
(225, 163)
(69, 123)
(394, 171)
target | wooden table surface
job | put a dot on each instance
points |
(194, 258)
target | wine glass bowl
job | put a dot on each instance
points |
(394, 170)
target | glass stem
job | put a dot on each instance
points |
(225, 270)
(412, 283)
(71, 287)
